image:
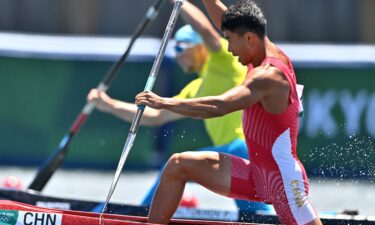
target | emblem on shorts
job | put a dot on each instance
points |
(294, 185)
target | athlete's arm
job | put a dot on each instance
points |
(126, 111)
(253, 90)
(215, 9)
(196, 18)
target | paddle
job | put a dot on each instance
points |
(56, 158)
(149, 85)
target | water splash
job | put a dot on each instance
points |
(349, 157)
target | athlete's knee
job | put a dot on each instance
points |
(177, 165)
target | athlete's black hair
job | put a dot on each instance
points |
(243, 16)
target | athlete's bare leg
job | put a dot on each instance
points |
(209, 169)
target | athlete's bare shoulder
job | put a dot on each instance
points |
(266, 76)
(271, 84)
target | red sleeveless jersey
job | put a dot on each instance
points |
(272, 139)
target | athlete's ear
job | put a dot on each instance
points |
(250, 38)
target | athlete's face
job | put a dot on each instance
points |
(239, 46)
(185, 56)
(189, 57)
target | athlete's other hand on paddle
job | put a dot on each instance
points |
(101, 99)
(126, 111)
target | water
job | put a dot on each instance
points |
(325, 194)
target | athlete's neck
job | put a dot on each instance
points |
(262, 51)
(273, 51)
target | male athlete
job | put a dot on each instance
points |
(270, 105)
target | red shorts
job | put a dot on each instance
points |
(289, 197)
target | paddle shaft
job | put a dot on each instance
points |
(149, 85)
(57, 157)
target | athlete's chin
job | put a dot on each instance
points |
(241, 61)
(244, 61)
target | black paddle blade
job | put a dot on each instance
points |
(51, 164)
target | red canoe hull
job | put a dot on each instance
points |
(23, 214)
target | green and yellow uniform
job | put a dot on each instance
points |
(220, 73)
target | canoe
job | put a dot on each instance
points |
(18, 201)
(16, 213)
